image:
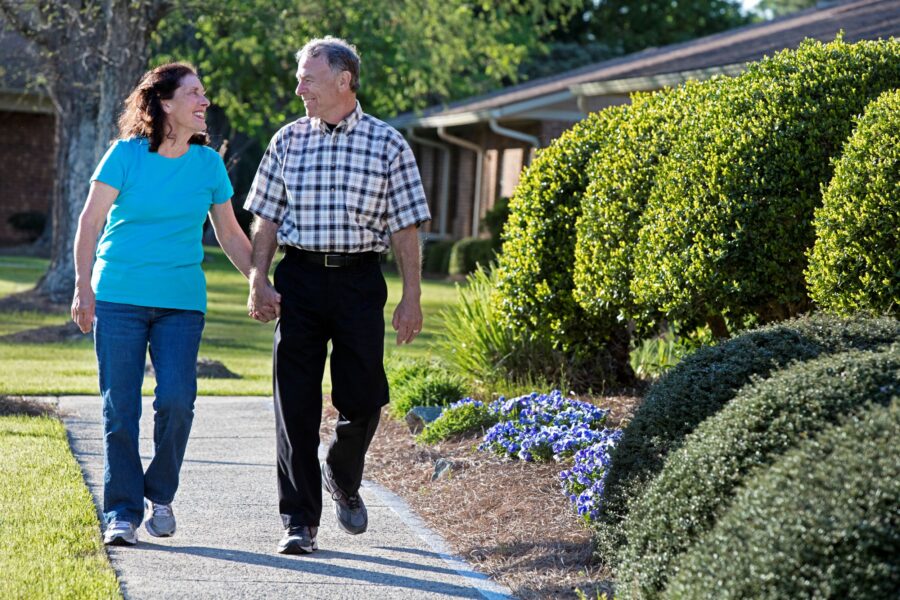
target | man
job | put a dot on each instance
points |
(337, 189)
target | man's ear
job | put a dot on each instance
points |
(345, 79)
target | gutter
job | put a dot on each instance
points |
(444, 197)
(512, 133)
(479, 170)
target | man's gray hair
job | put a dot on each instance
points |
(340, 54)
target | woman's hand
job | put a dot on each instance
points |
(83, 304)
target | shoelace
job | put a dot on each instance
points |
(162, 510)
(352, 501)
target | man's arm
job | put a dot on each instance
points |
(264, 302)
(407, 320)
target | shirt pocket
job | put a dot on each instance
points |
(365, 193)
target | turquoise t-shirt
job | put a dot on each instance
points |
(150, 251)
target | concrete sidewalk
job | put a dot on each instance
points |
(228, 523)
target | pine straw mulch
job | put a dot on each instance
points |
(509, 518)
(20, 405)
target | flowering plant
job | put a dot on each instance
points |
(584, 482)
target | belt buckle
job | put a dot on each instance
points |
(327, 256)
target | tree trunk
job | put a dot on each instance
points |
(104, 63)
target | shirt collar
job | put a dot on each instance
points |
(346, 125)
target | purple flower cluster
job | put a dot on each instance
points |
(543, 426)
(584, 482)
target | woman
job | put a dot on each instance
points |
(153, 189)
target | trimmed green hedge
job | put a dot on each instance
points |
(536, 265)
(468, 253)
(855, 262)
(700, 385)
(621, 181)
(698, 482)
(820, 523)
(728, 232)
(436, 257)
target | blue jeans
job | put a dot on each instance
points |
(122, 333)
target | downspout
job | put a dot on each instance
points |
(479, 169)
(516, 135)
(445, 176)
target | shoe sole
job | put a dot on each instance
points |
(298, 549)
(328, 488)
(155, 533)
(120, 541)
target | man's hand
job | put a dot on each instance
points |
(407, 320)
(264, 302)
(83, 305)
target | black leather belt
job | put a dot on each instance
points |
(325, 259)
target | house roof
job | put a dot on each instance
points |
(858, 19)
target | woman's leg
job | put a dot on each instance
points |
(120, 340)
(174, 343)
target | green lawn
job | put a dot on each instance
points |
(49, 534)
(243, 345)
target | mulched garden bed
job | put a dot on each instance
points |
(509, 518)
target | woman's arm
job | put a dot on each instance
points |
(100, 198)
(231, 237)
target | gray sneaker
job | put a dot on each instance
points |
(298, 539)
(120, 533)
(161, 520)
(350, 510)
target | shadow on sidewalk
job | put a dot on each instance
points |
(312, 564)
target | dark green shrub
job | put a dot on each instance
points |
(536, 264)
(421, 382)
(855, 262)
(481, 348)
(30, 223)
(701, 384)
(495, 221)
(764, 420)
(728, 232)
(822, 522)
(436, 257)
(464, 418)
(468, 253)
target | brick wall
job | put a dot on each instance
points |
(27, 170)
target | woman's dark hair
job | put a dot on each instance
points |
(144, 115)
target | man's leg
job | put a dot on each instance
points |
(359, 385)
(299, 361)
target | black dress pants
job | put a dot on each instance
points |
(343, 305)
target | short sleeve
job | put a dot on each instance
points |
(113, 166)
(223, 190)
(406, 196)
(267, 197)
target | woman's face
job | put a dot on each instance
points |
(186, 109)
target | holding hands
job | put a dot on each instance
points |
(264, 302)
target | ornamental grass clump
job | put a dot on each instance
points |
(700, 385)
(460, 418)
(544, 427)
(855, 262)
(822, 522)
(762, 422)
(421, 382)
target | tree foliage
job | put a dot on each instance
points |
(414, 52)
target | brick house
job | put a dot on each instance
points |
(27, 168)
(472, 152)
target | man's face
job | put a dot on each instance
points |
(318, 86)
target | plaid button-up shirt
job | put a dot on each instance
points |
(345, 191)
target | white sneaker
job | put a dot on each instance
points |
(161, 520)
(120, 533)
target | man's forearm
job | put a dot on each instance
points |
(264, 245)
(407, 252)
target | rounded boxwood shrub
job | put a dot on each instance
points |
(620, 183)
(700, 385)
(855, 262)
(822, 522)
(421, 382)
(536, 265)
(698, 482)
(468, 253)
(728, 233)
